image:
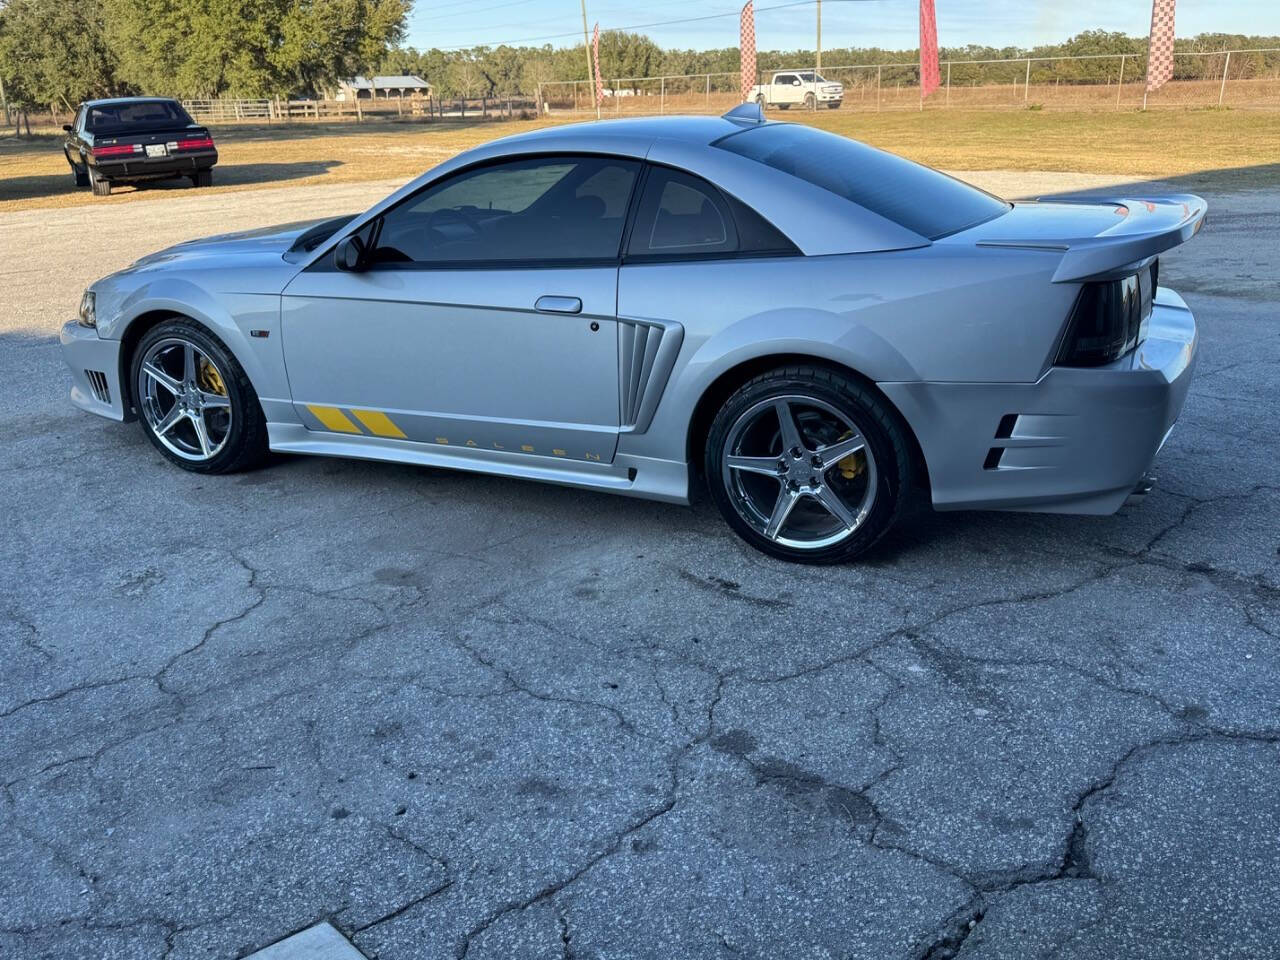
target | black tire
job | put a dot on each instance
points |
(202, 178)
(79, 173)
(882, 428)
(810, 101)
(784, 106)
(246, 442)
(834, 106)
(101, 186)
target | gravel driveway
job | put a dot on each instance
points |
(462, 716)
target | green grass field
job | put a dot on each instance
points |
(1225, 147)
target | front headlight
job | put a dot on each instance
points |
(88, 310)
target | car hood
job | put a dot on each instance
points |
(271, 242)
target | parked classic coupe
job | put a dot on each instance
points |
(816, 325)
(134, 139)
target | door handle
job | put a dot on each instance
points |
(558, 305)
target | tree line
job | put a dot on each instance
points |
(56, 53)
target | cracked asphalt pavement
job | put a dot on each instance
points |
(460, 716)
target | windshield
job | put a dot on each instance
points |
(136, 115)
(919, 198)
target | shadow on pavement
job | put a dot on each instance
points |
(224, 174)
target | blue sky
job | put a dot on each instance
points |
(886, 23)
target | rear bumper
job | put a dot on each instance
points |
(1075, 441)
(156, 168)
(95, 370)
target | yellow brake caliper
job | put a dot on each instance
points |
(854, 463)
(210, 380)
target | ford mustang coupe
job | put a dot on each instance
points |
(812, 327)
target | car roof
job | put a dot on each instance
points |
(105, 101)
(689, 129)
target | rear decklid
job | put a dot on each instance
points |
(179, 138)
(1098, 237)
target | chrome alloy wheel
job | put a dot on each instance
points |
(183, 396)
(799, 472)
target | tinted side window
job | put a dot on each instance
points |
(536, 209)
(681, 215)
(919, 198)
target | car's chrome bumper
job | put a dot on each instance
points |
(95, 370)
(1078, 440)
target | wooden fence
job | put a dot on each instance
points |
(383, 108)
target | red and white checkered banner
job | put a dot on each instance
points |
(595, 60)
(930, 79)
(747, 48)
(1160, 45)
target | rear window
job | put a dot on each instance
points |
(922, 200)
(136, 115)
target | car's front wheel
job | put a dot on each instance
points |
(195, 402)
(807, 464)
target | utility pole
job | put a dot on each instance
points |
(591, 75)
(818, 60)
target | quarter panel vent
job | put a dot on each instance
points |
(646, 353)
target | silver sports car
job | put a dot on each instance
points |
(813, 327)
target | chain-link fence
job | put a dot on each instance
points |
(1228, 78)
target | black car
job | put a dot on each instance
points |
(132, 139)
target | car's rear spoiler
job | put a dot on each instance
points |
(1148, 228)
(1144, 229)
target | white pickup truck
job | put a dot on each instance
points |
(798, 86)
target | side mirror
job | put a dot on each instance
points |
(796, 83)
(351, 254)
(66, 127)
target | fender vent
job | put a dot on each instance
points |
(646, 354)
(98, 384)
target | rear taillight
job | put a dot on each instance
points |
(199, 143)
(117, 150)
(1109, 319)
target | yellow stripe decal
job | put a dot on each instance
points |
(333, 419)
(379, 423)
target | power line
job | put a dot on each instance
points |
(496, 6)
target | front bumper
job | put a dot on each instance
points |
(155, 168)
(1077, 440)
(95, 371)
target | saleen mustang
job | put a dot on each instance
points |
(819, 326)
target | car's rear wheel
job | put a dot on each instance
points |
(101, 185)
(202, 178)
(807, 464)
(195, 402)
(79, 173)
